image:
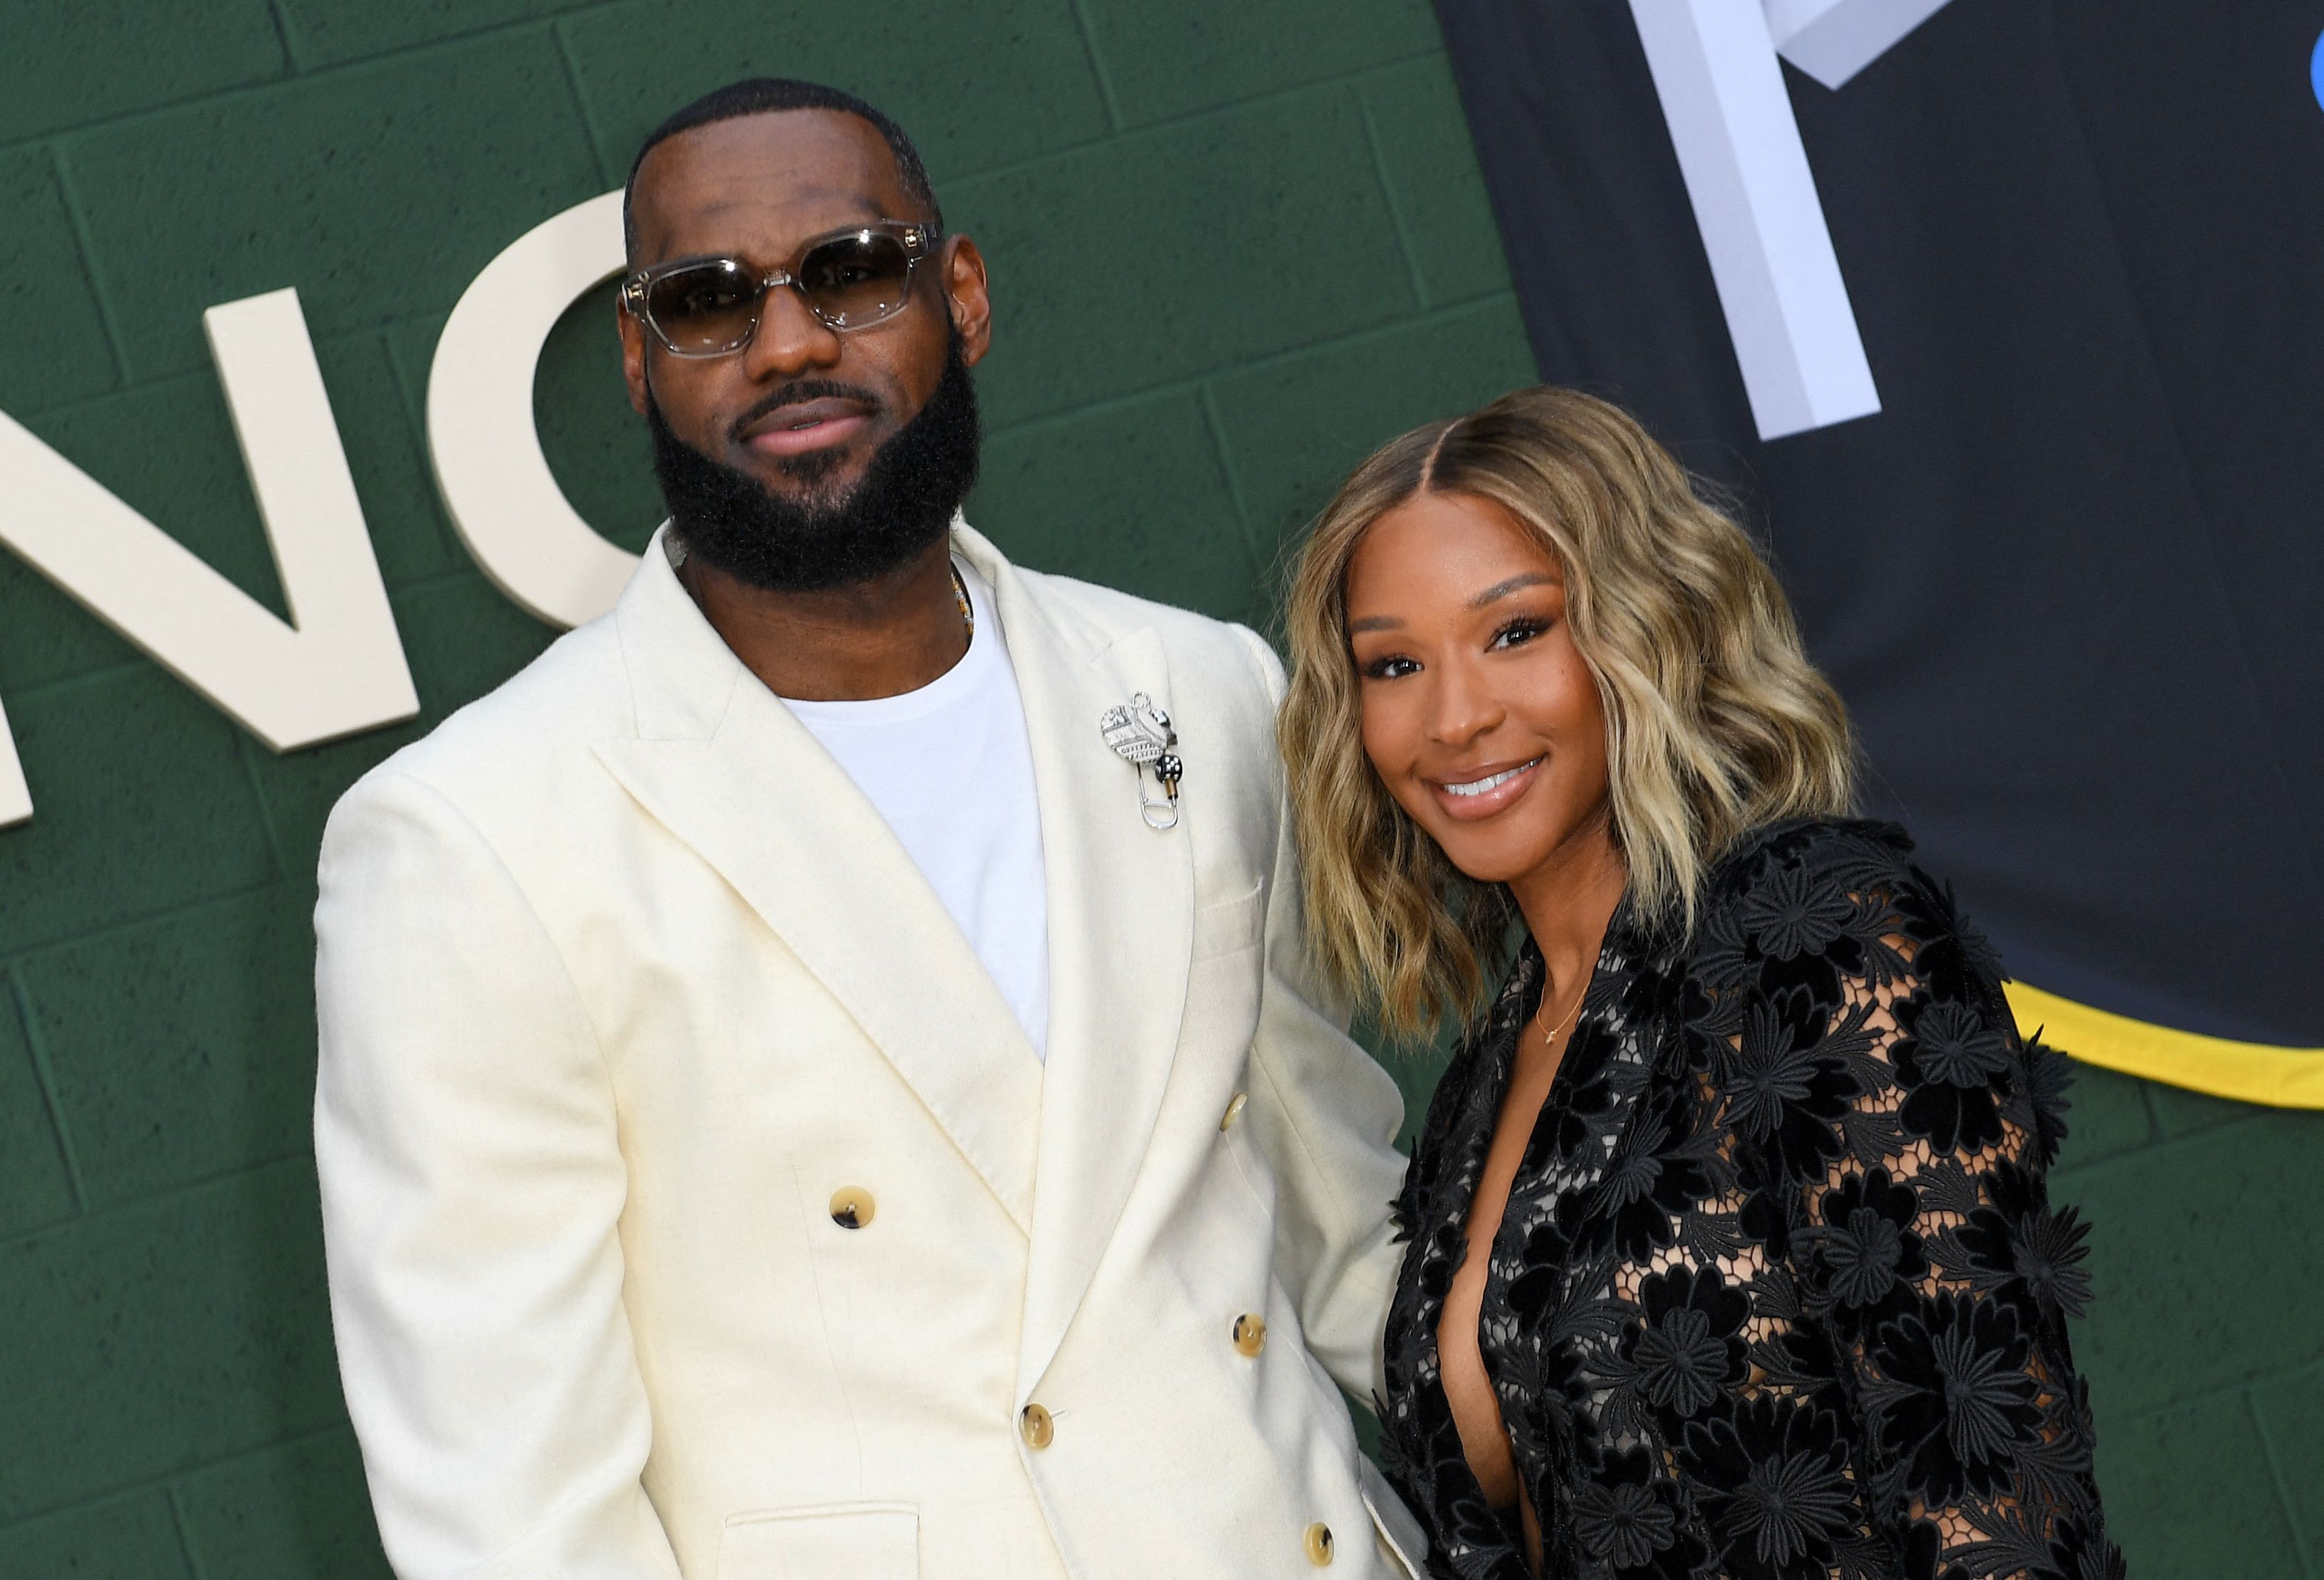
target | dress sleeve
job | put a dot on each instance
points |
(1930, 1259)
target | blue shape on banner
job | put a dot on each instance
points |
(2316, 70)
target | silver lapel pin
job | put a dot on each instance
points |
(1140, 733)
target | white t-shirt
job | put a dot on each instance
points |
(950, 766)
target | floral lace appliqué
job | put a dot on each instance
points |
(1778, 1294)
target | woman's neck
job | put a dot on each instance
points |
(1568, 901)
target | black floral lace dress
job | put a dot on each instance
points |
(1778, 1293)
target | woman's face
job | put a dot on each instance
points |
(1478, 715)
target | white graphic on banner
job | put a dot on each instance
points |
(338, 668)
(1834, 40)
(1715, 69)
(490, 469)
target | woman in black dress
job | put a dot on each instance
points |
(1730, 1250)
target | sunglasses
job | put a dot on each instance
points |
(850, 279)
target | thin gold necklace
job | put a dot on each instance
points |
(1549, 1038)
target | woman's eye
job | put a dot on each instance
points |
(1389, 668)
(1517, 633)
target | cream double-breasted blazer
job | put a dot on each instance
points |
(631, 1004)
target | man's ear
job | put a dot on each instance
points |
(967, 297)
(633, 354)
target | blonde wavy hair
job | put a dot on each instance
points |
(1716, 723)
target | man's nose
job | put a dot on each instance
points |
(789, 340)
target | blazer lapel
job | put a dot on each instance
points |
(1121, 899)
(721, 763)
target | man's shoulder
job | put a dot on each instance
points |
(526, 730)
(1220, 648)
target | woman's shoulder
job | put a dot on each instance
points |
(1842, 849)
(1778, 866)
(1793, 887)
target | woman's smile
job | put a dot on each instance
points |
(1484, 792)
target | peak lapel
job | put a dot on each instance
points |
(1121, 918)
(721, 763)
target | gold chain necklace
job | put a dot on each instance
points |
(1549, 1038)
(960, 595)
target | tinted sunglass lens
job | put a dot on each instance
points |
(855, 279)
(706, 308)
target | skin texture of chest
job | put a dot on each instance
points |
(1468, 1387)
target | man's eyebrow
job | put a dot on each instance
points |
(1500, 590)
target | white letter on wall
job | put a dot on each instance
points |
(16, 798)
(1722, 92)
(495, 482)
(338, 668)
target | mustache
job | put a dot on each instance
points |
(798, 392)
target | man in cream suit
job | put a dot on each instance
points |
(819, 1075)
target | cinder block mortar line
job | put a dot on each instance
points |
(588, 111)
(357, 64)
(1097, 65)
(2076, 1174)
(162, 1481)
(2283, 1488)
(185, 1537)
(274, 849)
(1217, 428)
(65, 685)
(19, 1005)
(104, 932)
(160, 1197)
(1258, 101)
(14, 1523)
(77, 216)
(323, 344)
(1388, 193)
(414, 399)
(290, 68)
(159, 107)
(2247, 1385)
(1047, 419)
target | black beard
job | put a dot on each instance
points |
(911, 491)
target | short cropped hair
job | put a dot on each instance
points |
(764, 96)
(1716, 721)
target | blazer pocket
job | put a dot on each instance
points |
(826, 1541)
(1230, 924)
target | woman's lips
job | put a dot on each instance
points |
(796, 438)
(1485, 793)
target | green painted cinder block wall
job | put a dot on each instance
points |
(1234, 246)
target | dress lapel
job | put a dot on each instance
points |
(721, 763)
(1122, 898)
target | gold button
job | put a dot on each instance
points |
(851, 1207)
(1035, 1427)
(1250, 1333)
(1319, 1544)
(1233, 1113)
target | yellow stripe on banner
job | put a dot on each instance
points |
(2249, 1072)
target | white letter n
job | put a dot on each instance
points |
(338, 668)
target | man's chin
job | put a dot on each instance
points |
(813, 479)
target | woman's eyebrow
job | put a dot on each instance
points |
(1500, 590)
(1375, 622)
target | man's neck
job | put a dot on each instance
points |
(878, 639)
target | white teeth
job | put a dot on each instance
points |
(1479, 786)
